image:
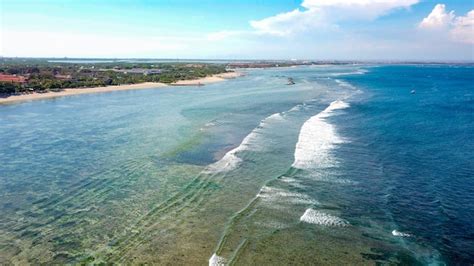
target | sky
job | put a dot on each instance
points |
(239, 29)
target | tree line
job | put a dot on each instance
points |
(43, 75)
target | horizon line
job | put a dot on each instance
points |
(244, 59)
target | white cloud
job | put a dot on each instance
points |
(289, 22)
(317, 29)
(457, 28)
(463, 28)
(438, 18)
(317, 13)
(358, 9)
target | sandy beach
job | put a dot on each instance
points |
(211, 79)
(146, 85)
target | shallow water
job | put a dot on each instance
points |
(248, 171)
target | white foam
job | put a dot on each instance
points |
(292, 182)
(296, 108)
(316, 139)
(316, 217)
(227, 163)
(344, 84)
(252, 142)
(401, 234)
(277, 116)
(210, 124)
(335, 106)
(356, 72)
(216, 260)
(287, 179)
(271, 194)
(322, 177)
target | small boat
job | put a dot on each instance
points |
(412, 91)
(290, 81)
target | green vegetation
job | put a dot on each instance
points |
(43, 75)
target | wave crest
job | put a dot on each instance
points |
(316, 217)
(216, 260)
(316, 138)
(251, 142)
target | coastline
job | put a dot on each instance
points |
(208, 80)
(138, 86)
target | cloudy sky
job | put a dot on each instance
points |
(239, 29)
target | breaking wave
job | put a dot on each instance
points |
(316, 138)
(317, 217)
(216, 260)
(401, 234)
(285, 194)
(281, 195)
(252, 142)
(356, 72)
(344, 84)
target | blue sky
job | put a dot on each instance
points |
(252, 29)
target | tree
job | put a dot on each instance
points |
(13, 71)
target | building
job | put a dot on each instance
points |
(12, 78)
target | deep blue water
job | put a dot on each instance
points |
(345, 166)
(415, 152)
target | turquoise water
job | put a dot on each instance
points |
(344, 166)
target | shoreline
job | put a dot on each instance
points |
(146, 85)
(208, 80)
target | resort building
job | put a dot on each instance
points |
(12, 78)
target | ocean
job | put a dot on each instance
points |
(353, 164)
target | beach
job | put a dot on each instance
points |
(146, 85)
(210, 79)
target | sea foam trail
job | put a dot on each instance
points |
(316, 217)
(274, 195)
(316, 138)
(356, 72)
(344, 84)
(251, 142)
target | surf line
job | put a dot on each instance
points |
(311, 151)
(231, 160)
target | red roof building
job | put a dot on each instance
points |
(12, 78)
